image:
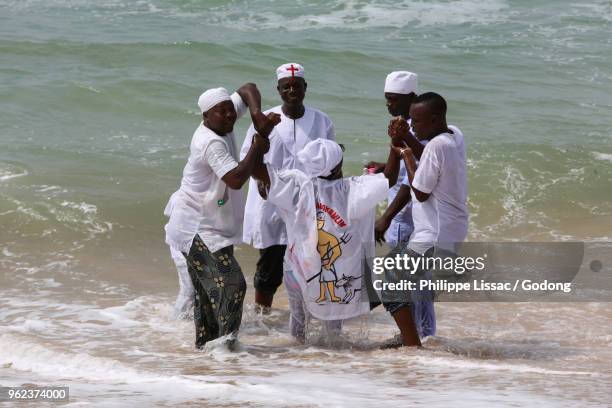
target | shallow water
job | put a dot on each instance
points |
(509, 355)
(97, 107)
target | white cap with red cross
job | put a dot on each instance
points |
(290, 70)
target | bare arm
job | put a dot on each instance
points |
(263, 124)
(251, 96)
(260, 172)
(414, 145)
(399, 202)
(260, 146)
(392, 167)
(411, 166)
(236, 177)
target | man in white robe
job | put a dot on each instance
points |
(183, 305)
(330, 227)
(396, 222)
(263, 227)
(206, 213)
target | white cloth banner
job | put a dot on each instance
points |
(330, 228)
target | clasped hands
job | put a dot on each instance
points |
(264, 124)
(398, 131)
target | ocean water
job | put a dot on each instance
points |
(97, 108)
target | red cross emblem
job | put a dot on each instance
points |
(293, 70)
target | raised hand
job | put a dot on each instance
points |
(264, 124)
(398, 130)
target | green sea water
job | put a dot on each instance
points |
(98, 103)
(97, 109)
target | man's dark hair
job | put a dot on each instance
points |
(435, 102)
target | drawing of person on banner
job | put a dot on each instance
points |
(329, 249)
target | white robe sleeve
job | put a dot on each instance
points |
(286, 188)
(292, 192)
(248, 139)
(219, 158)
(330, 131)
(365, 193)
(239, 104)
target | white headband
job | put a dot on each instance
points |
(212, 97)
(401, 82)
(319, 157)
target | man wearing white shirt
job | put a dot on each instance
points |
(206, 212)
(263, 227)
(395, 225)
(440, 183)
(439, 194)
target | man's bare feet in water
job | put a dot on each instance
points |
(404, 321)
(394, 343)
(262, 310)
(263, 302)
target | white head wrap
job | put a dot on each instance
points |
(288, 70)
(212, 97)
(319, 157)
(401, 82)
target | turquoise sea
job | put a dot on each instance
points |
(97, 109)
